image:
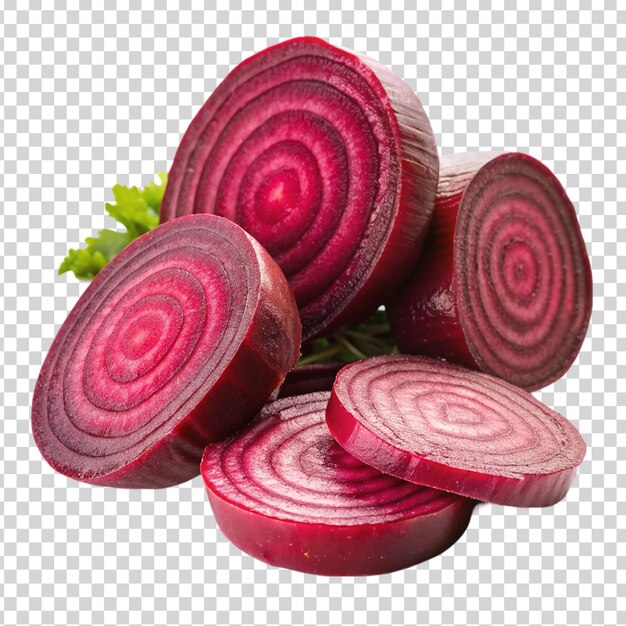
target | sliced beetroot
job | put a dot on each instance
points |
(504, 282)
(284, 492)
(309, 378)
(328, 159)
(447, 427)
(177, 342)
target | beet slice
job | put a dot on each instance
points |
(444, 426)
(177, 342)
(309, 378)
(286, 493)
(504, 282)
(328, 159)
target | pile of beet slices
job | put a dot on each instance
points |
(306, 193)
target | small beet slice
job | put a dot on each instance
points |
(309, 378)
(447, 427)
(177, 342)
(286, 493)
(328, 159)
(504, 282)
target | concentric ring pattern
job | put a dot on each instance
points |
(286, 465)
(455, 429)
(521, 272)
(322, 156)
(145, 342)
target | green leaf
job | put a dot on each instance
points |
(136, 209)
(153, 192)
(87, 262)
(83, 263)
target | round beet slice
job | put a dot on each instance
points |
(447, 427)
(177, 342)
(283, 491)
(504, 283)
(328, 159)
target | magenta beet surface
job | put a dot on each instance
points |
(504, 282)
(309, 378)
(451, 428)
(177, 342)
(285, 492)
(328, 159)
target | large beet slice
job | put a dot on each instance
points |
(283, 491)
(442, 425)
(504, 282)
(328, 160)
(177, 342)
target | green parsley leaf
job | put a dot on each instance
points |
(136, 209)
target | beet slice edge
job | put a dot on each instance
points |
(309, 378)
(504, 282)
(177, 342)
(285, 492)
(451, 428)
(328, 159)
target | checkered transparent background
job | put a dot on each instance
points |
(89, 98)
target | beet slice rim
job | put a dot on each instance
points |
(558, 245)
(284, 478)
(309, 378)
(442, 425)
(326, 158)
(128, 391)
(504, 284)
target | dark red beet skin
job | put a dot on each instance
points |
(451, 428)
(309, 378)
(504, 281)
(328, 159)
(283, 491)
(177, 342)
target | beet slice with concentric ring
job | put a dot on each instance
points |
(504, 282)
(451, 428)
(286, 493)
(325, 157)
(177, 342)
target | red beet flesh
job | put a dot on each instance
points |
(455, 429)
(175, 343)
(504, 282)
(284, 492)
(309, 378)
(328, 160)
